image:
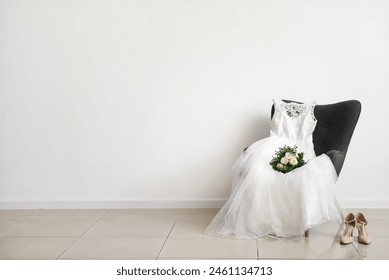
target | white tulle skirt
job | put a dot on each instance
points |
(267, 202)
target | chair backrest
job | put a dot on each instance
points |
(334, 129)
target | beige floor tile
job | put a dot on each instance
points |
(330, 230)
(115, 248)
(5, 224)
(377, 228)
(209, 214)
(371, 213)
(208, 217)
(141, 233)
(48, 228)
(15, 214)
(146, 226)
(305, 248)
(195, 218)
(83, 214)
(378, 249)
(173, 213)
(179, 247)
(33, 248)
(193, 227)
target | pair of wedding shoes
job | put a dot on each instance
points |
(351, 221)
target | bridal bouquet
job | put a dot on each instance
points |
(286, 159)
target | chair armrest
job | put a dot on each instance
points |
(337, 158)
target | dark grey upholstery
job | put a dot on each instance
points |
(334, 129)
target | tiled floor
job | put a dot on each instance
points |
(168, 234)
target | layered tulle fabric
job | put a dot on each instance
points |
(267, 202)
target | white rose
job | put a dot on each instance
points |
(288, 155)
(279, 165)
(284, 160)
(293, 161)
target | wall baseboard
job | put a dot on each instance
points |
(216, 203)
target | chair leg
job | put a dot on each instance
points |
(306, 233)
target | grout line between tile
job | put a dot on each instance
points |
(356, 249)
(18, 220)
(103, 214)
(32, 212)
(256, 240)
(78, 238)
(163, 245)
(9, 227)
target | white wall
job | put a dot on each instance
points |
(104, 101)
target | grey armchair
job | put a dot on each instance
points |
(334, 129)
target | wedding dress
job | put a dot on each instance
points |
(267, 202)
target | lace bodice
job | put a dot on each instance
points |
(293, 121)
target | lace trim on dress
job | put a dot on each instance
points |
(313, 112)
(293, 110)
